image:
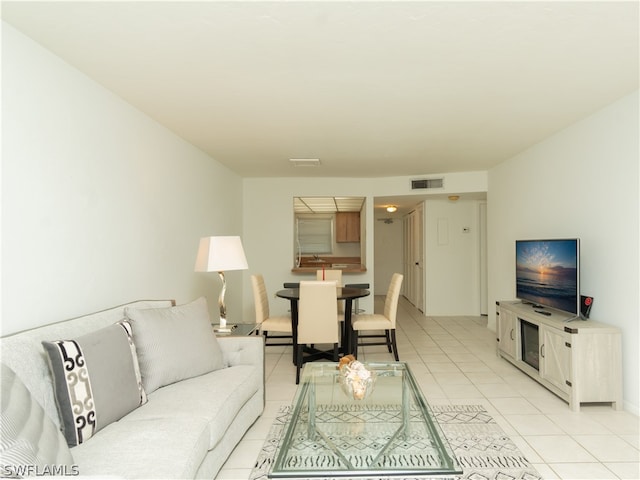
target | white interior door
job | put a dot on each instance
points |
(419, 257)
(414, 257)
(406, 261)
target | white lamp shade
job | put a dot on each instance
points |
(220, 254)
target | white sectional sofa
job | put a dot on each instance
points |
(144, 390)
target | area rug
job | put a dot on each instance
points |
(481, 447)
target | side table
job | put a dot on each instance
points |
(237, 330)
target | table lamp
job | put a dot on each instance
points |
(220, 254)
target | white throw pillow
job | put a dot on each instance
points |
(174, 343)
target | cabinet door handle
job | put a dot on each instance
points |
(511, 334)
(542, 350)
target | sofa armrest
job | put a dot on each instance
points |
(242, 350)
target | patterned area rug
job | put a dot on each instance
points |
(481, 447)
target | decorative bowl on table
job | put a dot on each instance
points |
(355, 379)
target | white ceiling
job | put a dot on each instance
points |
(370, 88)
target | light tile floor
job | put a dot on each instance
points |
(454, 360)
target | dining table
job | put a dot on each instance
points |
(348, 294)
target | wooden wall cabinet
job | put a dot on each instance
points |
(347, 227)
(580, 361)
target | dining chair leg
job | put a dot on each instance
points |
(298, 362)
(386, 334)
(354, 343)
(395, 345)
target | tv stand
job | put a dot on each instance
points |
(580, 363)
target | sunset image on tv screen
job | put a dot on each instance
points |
(547, 273)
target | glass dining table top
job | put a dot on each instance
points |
(338, 430)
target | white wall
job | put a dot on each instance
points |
(100, 205)
(581, 182)
(268, 222)
(452, 257)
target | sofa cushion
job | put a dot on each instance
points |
(217, 397)
(161, 447)
(28, 437)
(174, 343)
(96, 380)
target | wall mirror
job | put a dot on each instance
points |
(328, 232)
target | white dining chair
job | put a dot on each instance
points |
(267, 323)
(380, 321)
(317, 321)
(333, 275)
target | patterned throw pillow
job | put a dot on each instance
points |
(174, 343)
(96, 380)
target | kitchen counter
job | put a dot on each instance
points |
(346, 264)
(345, 269)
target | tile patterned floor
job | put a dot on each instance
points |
(454, 360)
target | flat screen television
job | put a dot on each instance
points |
(548, 273)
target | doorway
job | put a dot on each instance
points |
(442, 251)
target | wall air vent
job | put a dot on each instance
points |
(427, 183)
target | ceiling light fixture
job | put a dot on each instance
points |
(392, 208)
(305, 162)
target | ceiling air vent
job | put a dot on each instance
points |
(427, 183)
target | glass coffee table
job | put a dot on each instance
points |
(390, 432)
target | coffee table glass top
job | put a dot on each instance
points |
(389, 432)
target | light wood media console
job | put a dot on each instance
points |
(580, 361)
